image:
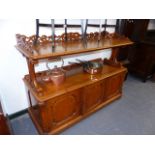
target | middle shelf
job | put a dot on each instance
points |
(75, 79)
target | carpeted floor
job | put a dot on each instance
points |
(133, 114)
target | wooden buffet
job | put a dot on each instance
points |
(55, 108)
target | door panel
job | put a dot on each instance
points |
(113, 85)
(64, 108)
(93, 95)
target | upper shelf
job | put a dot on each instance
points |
(45, 48)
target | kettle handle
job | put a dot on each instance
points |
(59, 58)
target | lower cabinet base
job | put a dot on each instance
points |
(81, 95)
(72, 121)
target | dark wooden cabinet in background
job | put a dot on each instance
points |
(141, 55)
(135, 29)
(142, 62)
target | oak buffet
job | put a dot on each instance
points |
(55, 108)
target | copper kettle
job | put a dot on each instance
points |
(56, 75)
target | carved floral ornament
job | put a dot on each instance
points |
(28, 42)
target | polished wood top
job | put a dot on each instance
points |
(45, 50)
(73, 81)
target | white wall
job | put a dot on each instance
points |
(151, 25)
(13, 65)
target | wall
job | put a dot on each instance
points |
(151, 25)
(13, 66)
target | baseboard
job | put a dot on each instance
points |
(17, 114)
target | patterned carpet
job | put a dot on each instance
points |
(133, 114)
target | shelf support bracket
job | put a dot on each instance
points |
(113, 59)
(32, 74)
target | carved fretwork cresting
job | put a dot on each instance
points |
(70, 37)
(28, 42)
(25, 42)
(103, 35)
